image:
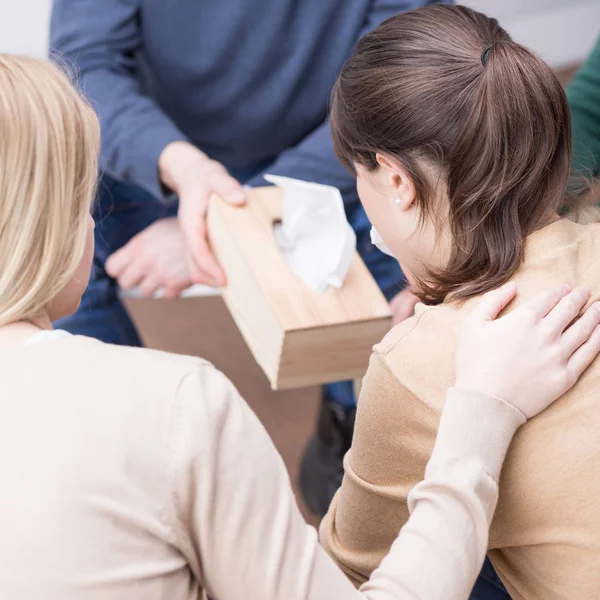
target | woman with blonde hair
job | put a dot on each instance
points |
(129, 473)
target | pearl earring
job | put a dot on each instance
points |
(398, 201)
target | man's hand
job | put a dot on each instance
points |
(195, 178)
(153, 259)
(403, 306)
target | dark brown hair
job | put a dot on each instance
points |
(447, 86)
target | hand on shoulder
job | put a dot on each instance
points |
(533, 355)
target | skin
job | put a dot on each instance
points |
(390, 200)
(541, 346)
(174, 254)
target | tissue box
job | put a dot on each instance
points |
(299, 337)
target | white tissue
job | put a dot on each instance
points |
(315, 237)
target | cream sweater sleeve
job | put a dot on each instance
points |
(239, 527)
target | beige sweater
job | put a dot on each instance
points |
(545, 539)
(129, 474)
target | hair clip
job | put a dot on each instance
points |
(484, 55)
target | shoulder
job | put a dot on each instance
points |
(135, 375)
(431, 329)
(419, 352)
(190, 386)
(427, 322)
(131, 361)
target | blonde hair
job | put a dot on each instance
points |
(49, 143)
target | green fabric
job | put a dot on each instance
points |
(584, 99)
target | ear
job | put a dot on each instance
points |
(399, 179)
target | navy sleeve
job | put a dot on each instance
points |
(98, 39)
(313, 159)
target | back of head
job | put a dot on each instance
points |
(446, 86)
(49, 140)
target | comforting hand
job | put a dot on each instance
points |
(195, 178)
(403, 306)
(153, 259)
(533, 355)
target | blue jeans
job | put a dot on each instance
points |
(488, 585)
(123, 210)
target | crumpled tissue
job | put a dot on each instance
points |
(314, 236)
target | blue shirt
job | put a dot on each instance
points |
(246, 81)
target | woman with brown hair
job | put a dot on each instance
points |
(460, 140)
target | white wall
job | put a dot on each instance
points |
(24, 26)
(563, 31)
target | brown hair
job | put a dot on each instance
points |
(446, 85)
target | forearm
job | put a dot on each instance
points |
(441, 548)
(135, 132)
(100, 41)
(242, 501)
(439, 552)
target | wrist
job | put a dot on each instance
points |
(476, 426)
(482, 384)
(177, 164)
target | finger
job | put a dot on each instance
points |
(197, 275)
(173, 290)
(584, 356)
(581, 330)
(567, 309)
(227, 187)
(149, 285)
(132, 276)
(494, 302)
(204, 259)
(546, 301)
(118, 261)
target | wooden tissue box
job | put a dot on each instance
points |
(299, 337)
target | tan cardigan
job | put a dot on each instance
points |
(545, 539)
(129, 474)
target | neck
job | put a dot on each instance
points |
(551, 218)
(18, 332)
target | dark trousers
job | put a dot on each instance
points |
(488, 585)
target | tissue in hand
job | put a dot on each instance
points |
(314, 236)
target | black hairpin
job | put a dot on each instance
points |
(484, 55)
